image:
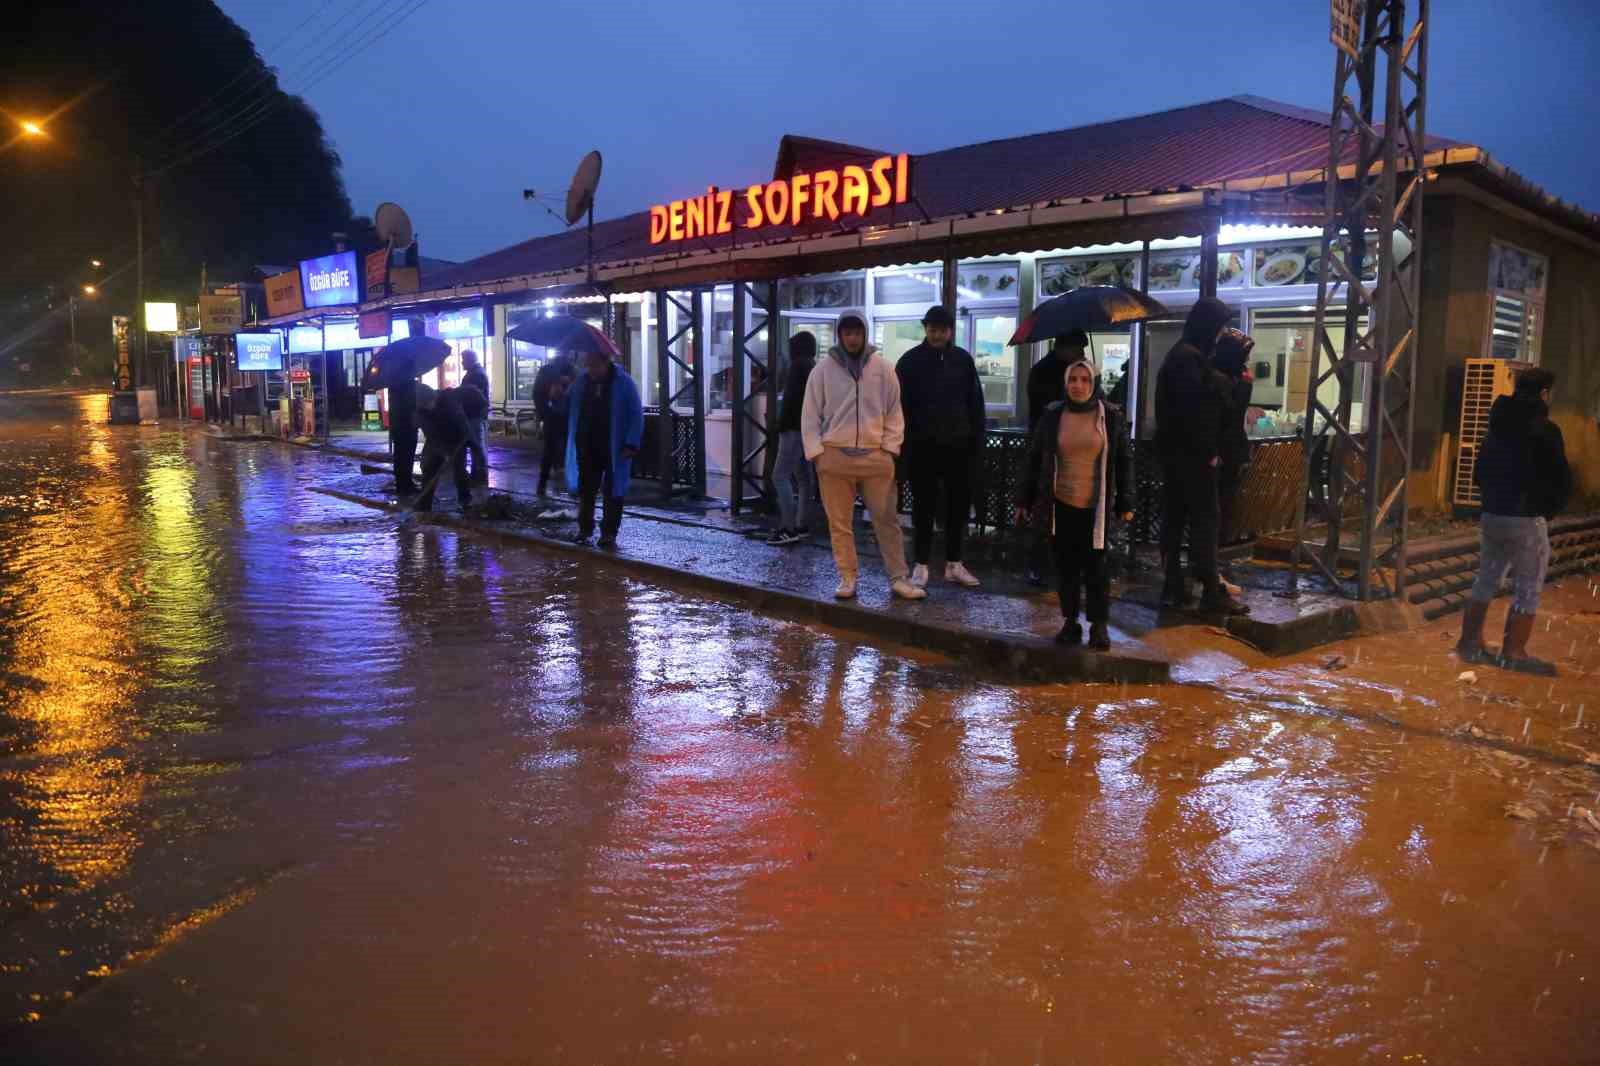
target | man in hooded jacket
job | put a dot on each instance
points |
(853, 427)
(1523, 473)
(1191, 410)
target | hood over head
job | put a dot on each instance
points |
(1206, 317)
(803, 345)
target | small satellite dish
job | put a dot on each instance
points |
(580, 197)
(393, 225)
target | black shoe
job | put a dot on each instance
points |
(582, 539)
(1099, 639)
(1217, 601)
(1071, 634)
(608, 542)
(778, 537)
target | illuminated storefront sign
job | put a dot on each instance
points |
(283, 293)
(259, 351)
(457, 325)
(161, 317)
(823, 194)
(330, 280)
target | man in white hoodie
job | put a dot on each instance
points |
(852, 427)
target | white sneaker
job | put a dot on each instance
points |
(906, 590)
(919, 575)
(958, 573)
(846, 589)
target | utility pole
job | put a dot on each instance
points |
(140, 352)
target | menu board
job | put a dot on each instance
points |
(1063, 275)
(1181, 270)
(1288, 264)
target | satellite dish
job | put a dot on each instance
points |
(393, 225)
(580, 197)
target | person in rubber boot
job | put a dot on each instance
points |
(1523, 474)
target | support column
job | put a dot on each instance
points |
(1208, 260)
(737, 432)
(697, 359)
(947, 284)
(663, 394)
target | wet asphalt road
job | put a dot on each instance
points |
(285, 781)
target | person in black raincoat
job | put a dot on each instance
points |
(1190, 411)
(1233, 378)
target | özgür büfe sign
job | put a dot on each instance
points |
(822, 194)
(330, 280)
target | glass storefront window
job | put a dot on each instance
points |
(986, 281)
(806, 294)
(1281, 365)
(895, 337)
(1516, 290)
(819, 328)
(918, 286)
(997, 364)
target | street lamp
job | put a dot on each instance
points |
(89, 290)
(96, 263)
(32, 129)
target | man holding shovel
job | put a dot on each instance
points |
(443, 420)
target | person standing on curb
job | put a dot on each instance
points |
(853, 427)
(1190, 410)
(1233, 377)
(1078, 475)
(473, 376)
(554, 407)
(943, 403)
(792, 476)
(606, 423)
(403, 435)
(1523, 473)
(1046, 386)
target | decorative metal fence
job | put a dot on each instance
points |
(685, 445)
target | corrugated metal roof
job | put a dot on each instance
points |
(1188, 147)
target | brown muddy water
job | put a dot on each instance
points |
(282, 780)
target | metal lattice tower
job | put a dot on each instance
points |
(1382, 189)
(754, 375)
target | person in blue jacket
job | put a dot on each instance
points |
(605, 424)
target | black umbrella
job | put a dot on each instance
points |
(404, 360)
(565, 333)
(1090, 308)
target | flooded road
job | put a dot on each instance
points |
(282, 780)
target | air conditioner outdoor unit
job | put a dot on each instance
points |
(1484, 382)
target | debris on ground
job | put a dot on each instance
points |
(1469, 677)
(1522, 812)
(1334, 662)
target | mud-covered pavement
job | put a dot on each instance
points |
(282, 780)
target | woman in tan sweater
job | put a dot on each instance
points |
(1078, 475)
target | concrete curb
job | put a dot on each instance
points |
(1009, 655)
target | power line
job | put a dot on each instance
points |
(255, 72)
(265, 88)
(258, 113)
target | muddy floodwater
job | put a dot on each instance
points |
(283, 780)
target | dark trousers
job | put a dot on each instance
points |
(434, 456)
(931, 466)
(1080, 566)
(555, 452)
(1190, 498)
(592, 477)
(403, 445)
(1228, 477)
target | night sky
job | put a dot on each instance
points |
(466, 103)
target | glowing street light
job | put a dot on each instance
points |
(96, 263)
(32, 129)
(89, 290)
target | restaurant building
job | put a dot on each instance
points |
(1220, 197)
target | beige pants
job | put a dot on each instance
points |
(839, 477)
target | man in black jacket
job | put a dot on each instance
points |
(442, 414)
(1190, 412)
(473, 376)
(792, 474)
(1523, 473)
(943, 403)
(551, 388)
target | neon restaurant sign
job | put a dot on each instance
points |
(822, 194)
